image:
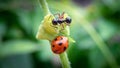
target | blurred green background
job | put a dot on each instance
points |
(95, 27)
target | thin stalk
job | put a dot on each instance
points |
(63, 56)
(44, 6)
(64, 60)
(100, 43)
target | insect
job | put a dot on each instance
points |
(59, 44)
(48, 30)
(61, 19)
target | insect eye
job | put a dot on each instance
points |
(68, 20)
(54, 22)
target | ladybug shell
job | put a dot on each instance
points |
(59, 44)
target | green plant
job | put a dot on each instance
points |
(46, 31)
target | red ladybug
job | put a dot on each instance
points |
(59, 44)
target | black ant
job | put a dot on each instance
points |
(61, 20)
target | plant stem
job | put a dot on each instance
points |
(44, 6)
(64, 60)
(100, 43)
(63, 56)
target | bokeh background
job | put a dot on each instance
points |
(95, 27)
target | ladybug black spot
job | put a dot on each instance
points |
(55, 39)
(64, 48)
(61, 38)
(55, 51)
(60, 43)
(53, 45)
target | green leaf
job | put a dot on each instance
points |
(18, 47)
(71, 40)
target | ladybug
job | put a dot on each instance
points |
(59, 44)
